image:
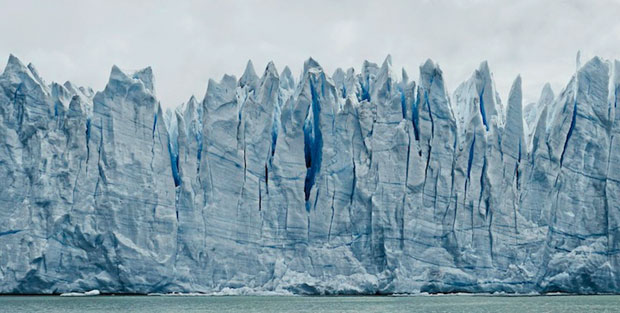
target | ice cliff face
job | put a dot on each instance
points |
(350, 183)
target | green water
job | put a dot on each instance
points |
(454, 303)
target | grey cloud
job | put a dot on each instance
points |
(188, 42)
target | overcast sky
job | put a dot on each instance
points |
(188, 42)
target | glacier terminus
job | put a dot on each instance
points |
(358, 182)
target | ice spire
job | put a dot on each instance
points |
(513, 142)
(145, 75)
(286, 79)
(249, 76)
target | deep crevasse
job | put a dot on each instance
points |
(350, 183)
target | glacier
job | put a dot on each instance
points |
(352, 183)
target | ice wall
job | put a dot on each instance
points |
(351, 183)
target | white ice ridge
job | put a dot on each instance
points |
(354, 183)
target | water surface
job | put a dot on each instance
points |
(452, 303)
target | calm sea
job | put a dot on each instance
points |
(452, 303)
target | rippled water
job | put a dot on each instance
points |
(453, 303)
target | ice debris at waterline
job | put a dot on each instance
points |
(349, 183)
(81, 294)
